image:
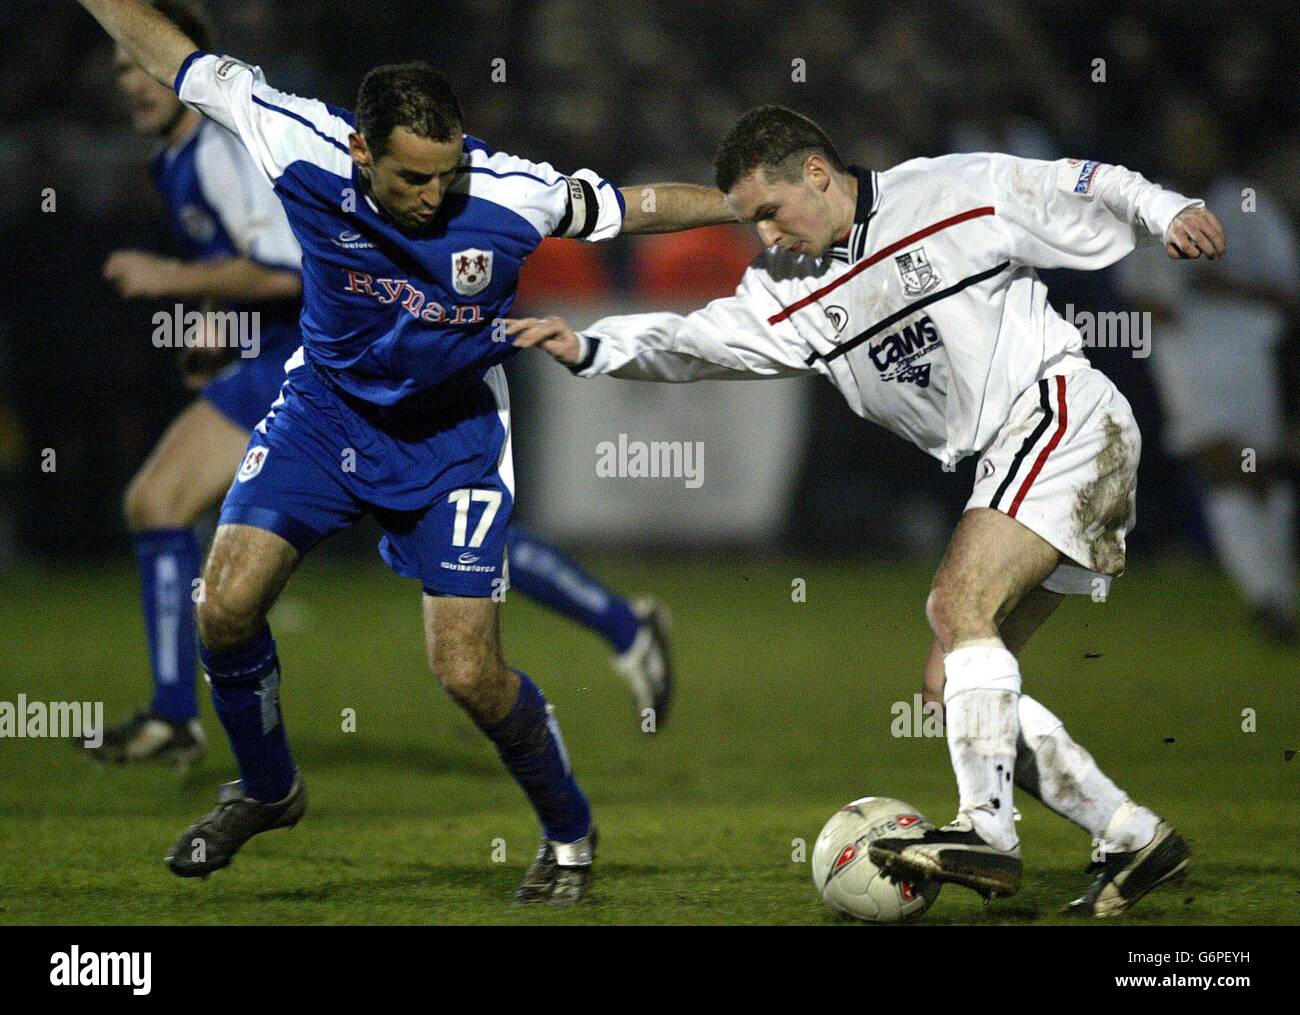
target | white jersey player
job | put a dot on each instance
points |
(914, 292)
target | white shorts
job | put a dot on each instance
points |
(1064, 465)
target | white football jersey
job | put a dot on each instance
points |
(929, 317)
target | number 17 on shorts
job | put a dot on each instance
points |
(462, 500)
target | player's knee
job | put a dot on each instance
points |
(939, 612)
(228, 619)
(955, 616)
(459, 669)
(149, 504)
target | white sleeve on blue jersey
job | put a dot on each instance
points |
(581, 205)
(278, 129)
(246, 204)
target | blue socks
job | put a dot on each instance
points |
(528, 740)
(558, 582)
(246, 694)
(169, 564)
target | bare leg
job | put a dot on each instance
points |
(188, 471)
(465, 654)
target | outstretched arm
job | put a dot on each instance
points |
(139, 274)
(724, 341)
(1088, 214)
(148, 38)
(668, 207)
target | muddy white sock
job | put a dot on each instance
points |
(1131, 827)
(979, 701)
(1060, 773)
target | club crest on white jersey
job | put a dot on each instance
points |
(471, 270)
(253, 462)
(917, 274)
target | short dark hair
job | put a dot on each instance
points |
(774, 139)
(191, 18)
(410, 95)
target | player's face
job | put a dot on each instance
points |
(795, 216)
(411, 179)
(154, 107)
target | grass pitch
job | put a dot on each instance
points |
(783, 714)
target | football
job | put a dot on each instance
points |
(849, 883)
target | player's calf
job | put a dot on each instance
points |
(513, 713)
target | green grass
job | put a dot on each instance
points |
(783, 715)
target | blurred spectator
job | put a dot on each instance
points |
(1216, 334)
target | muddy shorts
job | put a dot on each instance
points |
(1065, 466)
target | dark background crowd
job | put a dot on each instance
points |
(639, 92)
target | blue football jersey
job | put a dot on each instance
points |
(388, 314)
(221, 206)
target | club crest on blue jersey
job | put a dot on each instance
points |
(253, 462)
(471, 270)
(197, 223)
(917, 274)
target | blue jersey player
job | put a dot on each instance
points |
(240, 250)
(396, 406)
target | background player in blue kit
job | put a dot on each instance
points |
(240, 252)
(396, 406)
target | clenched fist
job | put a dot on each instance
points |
(139, 274)
(1193, 232)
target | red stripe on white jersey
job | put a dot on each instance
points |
(884, 252)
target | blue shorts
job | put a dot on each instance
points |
(435, 472)
(244, 390)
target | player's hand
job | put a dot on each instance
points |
(137, 274)
(199, 365)
(551, 334)
(1196, 231)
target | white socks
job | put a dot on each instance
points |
(979, 700)
(996, 733)
(1064, 776)
(1254, 541)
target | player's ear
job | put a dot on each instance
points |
(359, 149)
(816, 172)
